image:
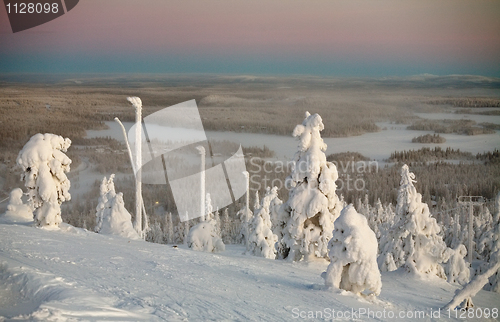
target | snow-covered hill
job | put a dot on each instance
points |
(73, 274)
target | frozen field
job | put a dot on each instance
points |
(75, 275)
(377, 146)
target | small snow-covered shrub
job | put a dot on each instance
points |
(44, 167)
(205, 236)
(17, 211)
(111, 216)
(353, 255)
(261, 238)
(457, 270)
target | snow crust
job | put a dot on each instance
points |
(75, 275)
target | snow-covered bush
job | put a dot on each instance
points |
(44, 167)
(205, 236)
(313, 205)
(111, 216)
(457, 270)
(261, 238)
(353, 255)
(17, 211)
(414, 241)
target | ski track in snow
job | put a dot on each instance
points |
(72, 274)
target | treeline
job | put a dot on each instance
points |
(466, 102)
(427, 154)
(467, 127)
(428, 138)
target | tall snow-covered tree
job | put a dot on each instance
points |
(111, 216)
(44, 166)
(313, 205)
(353, 252)
(414, 241)
(261, 238)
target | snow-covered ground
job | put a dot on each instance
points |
(376, 146)
(72, 274)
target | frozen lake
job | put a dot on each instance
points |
(377, 146)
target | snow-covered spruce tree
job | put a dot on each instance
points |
(44, 167)
(414, 241)
(111, 216)
(261, 238)
(456, 269)
(17, 211)
(353, 252)
(226, 232)
(245, 215)
(204, 236)
(489, 246)
(169, 229)
(487, 276)
(312, 205)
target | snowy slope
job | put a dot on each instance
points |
(73, 274)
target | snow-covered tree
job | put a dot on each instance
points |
(414, 241)
(261, 238)
(457, 270)
(353, 252)
(313, 205)
(490, 247)
(205, 235)
(44, 167)
(169, 234)
(111, 216)
(245, 215)
(17, 211)
(226, 233)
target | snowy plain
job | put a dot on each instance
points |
(75, 275)
(376, 146)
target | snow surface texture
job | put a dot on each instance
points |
(261, 238)
(414, 242)
(205, 236)
(17, 212)
(111, 216)
(76, 275)
(312, 206)
(44, 167)
(353, 253)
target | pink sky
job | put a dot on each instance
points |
(425, 32)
